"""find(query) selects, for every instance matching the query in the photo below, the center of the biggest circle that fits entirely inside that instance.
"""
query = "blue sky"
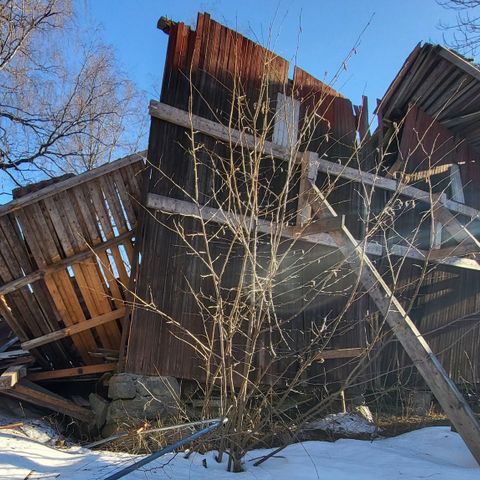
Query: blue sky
(318, 34)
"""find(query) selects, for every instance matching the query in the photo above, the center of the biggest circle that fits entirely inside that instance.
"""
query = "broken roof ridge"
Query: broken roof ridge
(166, 25)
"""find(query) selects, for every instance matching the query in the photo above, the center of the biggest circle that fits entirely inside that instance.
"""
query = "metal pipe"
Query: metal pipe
(150, 458)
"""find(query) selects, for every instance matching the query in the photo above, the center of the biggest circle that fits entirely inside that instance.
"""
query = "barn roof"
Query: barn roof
(443, 84)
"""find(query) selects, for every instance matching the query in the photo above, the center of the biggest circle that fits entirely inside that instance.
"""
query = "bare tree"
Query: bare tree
(64, 103)
(464, 34)
(252, 225)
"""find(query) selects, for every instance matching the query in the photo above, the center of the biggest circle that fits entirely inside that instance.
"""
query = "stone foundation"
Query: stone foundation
(134, 399)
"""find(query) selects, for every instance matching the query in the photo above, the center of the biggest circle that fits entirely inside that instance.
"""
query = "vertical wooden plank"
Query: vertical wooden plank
(66, 302)
(125, 197)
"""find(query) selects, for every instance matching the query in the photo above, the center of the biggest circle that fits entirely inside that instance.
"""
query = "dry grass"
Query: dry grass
(393, 425)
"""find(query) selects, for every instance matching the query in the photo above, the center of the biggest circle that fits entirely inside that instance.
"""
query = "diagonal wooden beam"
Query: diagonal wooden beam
(432, 371)
(449, 221)
(73, 329)
(29, 392)
(64, 263)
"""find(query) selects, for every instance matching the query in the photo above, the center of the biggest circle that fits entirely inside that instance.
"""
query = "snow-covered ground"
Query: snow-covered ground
(347, 424)
(431, 453)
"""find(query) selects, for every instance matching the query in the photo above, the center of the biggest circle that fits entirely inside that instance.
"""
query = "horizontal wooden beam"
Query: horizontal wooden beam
(340, 353)
(73, 329)
(29, 392)
(217, 215)
(72, 372)
(64, 263)
(230, 135)
(209, 214)
(456, 251)
(217, 130)
(71, 182)
(323, 225)
(372, 179)
(13, 354)
(11, 376)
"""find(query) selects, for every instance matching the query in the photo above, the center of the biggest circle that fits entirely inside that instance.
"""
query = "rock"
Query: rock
(122, 385)
(110, 429)
(135, 409)
(136, 398)
(344, 425)
(161, 388)
(99, 406)
(421, 402)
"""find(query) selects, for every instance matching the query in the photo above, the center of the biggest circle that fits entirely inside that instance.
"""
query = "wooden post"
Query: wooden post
(436, 241)
(344, 401)
(11, 376)
(74, 329)
(456, 184)
(304, 211)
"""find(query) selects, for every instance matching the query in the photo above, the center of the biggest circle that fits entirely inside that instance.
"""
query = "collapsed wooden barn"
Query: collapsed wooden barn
(406, 193)
(344, 125)
(66, 252)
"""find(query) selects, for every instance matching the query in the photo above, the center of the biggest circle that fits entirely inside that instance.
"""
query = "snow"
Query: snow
(347, 424)
(429, 453)
(33, 428)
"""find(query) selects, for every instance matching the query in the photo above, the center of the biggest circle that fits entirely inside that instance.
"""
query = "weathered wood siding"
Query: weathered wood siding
(209, 62)
(46, 228)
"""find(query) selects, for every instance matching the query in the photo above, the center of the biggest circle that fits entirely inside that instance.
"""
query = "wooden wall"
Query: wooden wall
(447, 304)
(200, 70)
(210, 62)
